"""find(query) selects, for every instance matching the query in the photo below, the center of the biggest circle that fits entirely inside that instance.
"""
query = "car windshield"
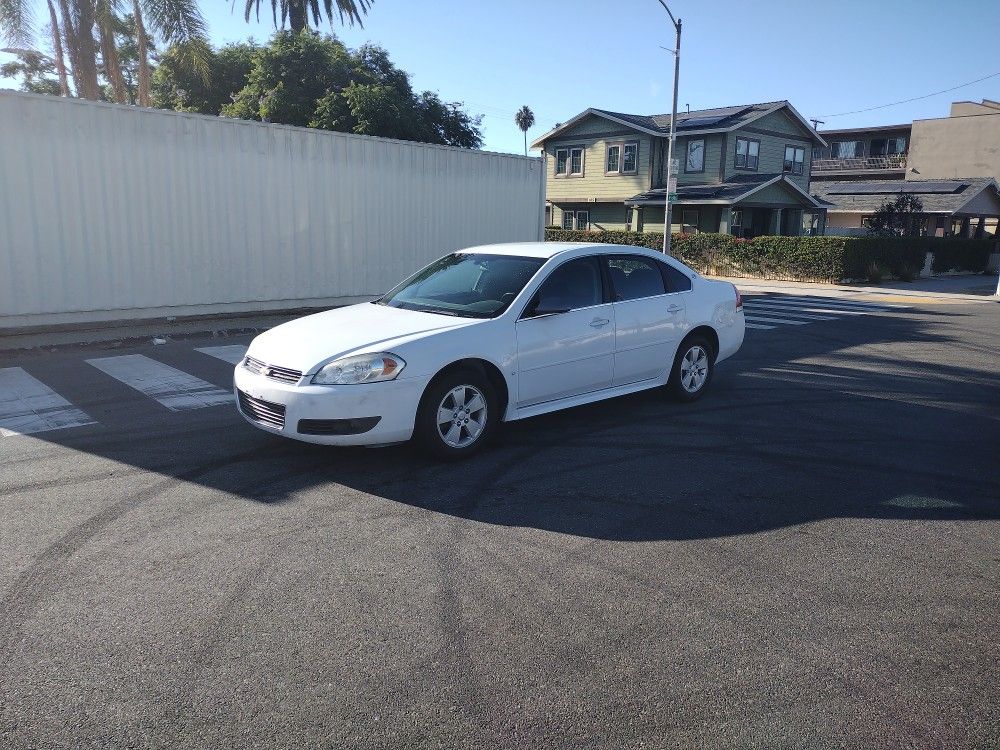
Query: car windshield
(470, 285)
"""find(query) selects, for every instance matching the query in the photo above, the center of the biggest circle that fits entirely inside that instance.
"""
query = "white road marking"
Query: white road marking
(759, 327)
(780, 321)
(821, 308)
(839, 301)
(27, 405)
(822, 301)
(176, 390)
(233, 353)
(775, 309)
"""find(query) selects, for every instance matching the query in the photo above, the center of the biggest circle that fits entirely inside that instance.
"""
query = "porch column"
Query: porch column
(776, 222)
(637, 219)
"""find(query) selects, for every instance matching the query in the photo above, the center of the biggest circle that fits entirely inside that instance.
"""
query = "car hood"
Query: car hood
(306, 343)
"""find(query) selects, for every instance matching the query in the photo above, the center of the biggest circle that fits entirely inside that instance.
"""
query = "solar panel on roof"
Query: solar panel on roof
(700, 122)
(885, 188)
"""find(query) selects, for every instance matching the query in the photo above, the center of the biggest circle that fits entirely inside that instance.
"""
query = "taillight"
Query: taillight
(739, 298)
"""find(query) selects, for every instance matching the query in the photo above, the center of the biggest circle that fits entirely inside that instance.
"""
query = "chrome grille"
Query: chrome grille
(259, 410)
(284, 374)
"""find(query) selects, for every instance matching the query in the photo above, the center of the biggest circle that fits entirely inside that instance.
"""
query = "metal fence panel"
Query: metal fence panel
(110, 212)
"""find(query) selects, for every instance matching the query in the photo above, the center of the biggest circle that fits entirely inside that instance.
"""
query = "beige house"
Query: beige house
(741, 170)
(951, 164)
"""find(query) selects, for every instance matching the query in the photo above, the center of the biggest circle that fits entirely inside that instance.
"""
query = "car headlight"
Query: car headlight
(365, 368)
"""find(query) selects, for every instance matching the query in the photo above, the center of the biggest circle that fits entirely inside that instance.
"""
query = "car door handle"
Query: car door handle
(674, 309)
(598, 322)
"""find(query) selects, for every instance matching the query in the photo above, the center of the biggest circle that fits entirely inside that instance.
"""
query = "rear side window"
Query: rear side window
(634, 277)
(676, 281)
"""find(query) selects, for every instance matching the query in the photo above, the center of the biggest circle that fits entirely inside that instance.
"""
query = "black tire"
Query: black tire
(679, 385)
(427, 433)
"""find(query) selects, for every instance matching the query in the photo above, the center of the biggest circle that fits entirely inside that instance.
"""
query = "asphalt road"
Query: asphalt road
(809, 557)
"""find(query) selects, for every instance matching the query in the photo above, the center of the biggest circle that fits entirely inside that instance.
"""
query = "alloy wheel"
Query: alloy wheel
(461, 416)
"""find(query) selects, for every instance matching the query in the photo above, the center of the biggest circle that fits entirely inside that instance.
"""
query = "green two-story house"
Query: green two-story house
(741, 170)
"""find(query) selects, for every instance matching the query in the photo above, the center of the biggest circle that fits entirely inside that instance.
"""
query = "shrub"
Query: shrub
(829, 259)
(876, 272)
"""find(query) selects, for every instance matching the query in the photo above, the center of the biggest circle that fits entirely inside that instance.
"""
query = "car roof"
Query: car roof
(549, 249)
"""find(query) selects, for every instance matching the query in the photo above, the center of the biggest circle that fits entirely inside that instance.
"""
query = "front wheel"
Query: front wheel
(456, 415)
(693, 368)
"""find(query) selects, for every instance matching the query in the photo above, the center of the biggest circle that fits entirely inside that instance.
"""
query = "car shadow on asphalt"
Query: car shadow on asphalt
(802, 425)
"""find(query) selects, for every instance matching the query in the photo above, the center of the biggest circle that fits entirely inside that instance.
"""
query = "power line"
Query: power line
(915, 98)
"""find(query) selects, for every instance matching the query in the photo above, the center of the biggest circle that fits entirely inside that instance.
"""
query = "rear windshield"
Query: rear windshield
(469, 285)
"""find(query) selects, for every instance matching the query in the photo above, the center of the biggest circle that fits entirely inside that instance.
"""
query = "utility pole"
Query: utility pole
(668, 203)
(816, 123)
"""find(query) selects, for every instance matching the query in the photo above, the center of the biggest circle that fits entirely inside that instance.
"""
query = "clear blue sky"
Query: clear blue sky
(562, 56)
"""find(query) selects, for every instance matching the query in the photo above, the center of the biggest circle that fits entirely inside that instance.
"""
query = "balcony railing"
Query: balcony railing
(895, 161)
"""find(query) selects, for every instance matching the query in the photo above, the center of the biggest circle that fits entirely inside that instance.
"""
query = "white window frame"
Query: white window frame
(607, 158)
(747, 156)
(736, 213)
(859, 149)
(687, 156)
(571, 215)
(565, 171)
(798, 160)
(572, 150)
(585, 222)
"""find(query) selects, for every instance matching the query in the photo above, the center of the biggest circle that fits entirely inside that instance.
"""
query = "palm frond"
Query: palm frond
(16, 20)
(175, 20)
(352, 9)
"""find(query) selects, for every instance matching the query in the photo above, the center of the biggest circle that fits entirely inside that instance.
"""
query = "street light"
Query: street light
(673, 131)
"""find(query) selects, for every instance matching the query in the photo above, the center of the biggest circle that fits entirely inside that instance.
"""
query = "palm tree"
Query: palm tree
(177, 21)
(525, 118)
(57, 49)
(297, 12)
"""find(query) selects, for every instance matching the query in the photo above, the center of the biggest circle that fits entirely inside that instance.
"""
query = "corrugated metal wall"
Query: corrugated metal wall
(109, 211)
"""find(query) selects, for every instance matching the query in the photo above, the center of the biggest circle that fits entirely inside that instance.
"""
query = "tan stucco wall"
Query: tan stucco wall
(955, 147)
(843, 219)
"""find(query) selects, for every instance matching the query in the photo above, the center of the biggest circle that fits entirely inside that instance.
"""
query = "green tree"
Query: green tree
(311, 80)
(524, 118)
(297, 12)
(35, 69)
(175, 85)
(75, 23)
(897, 218)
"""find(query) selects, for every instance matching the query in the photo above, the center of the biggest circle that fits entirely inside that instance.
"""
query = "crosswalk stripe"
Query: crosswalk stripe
(822, 301)
(793, 311)
(27, 406)
(232, 353)
(780, 321)
(176, 390)
(759, 327)
(830, 310)
(838, 301)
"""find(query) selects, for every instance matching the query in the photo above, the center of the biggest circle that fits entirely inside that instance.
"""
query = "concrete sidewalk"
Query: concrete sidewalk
(942, 289)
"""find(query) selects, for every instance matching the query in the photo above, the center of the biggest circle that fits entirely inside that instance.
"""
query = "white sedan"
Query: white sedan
(486, 335)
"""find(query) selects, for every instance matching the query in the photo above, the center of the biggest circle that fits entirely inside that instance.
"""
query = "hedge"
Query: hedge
(829, 259)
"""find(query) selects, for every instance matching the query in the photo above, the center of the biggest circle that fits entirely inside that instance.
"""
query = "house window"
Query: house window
(689, 221)
(567, 220)
(795, 158)
(630, 154)
(583, 220)
(887, 146)
(736, 224)
(621, 158)
(847, 149)
(562, 160)
(747, 153)
(614, 159)
(576, 161)
(695, 156)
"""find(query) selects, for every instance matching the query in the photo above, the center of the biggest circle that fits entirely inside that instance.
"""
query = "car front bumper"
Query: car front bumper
(366, 414)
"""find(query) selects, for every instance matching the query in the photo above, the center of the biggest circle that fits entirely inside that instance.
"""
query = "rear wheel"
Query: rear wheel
(693, 369)
(457, 414)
